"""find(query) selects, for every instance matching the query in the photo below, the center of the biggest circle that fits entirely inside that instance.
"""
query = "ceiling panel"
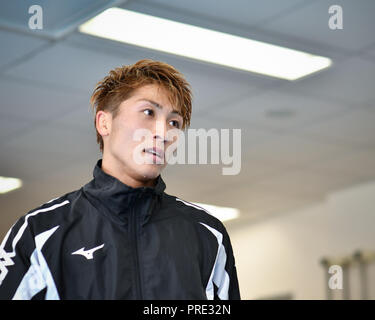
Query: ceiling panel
(214, 89)
(67, 67)
(370, 52)
(348, 82)
(10, 125)
(33, 102)
(80, 117)
(55, 139)
(14, 46)
(57, 18)
(294, 150)
(284, 109)
(359, 163)
(354, 128)
(311, 23)
(210, 119)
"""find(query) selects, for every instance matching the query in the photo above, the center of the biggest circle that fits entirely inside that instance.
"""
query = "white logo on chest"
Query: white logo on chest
(88, 254)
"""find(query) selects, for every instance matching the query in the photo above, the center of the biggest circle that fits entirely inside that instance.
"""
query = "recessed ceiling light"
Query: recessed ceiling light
(222, 213)
(9, 184)
(203, 44)
(280, 113)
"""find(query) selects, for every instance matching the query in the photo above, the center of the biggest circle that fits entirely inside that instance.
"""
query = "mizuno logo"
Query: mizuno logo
(88, 254)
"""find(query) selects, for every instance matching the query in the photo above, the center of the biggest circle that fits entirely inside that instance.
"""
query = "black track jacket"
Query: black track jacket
(111, 241)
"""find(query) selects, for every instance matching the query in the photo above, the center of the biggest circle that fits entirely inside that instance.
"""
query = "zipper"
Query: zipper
(134, 237)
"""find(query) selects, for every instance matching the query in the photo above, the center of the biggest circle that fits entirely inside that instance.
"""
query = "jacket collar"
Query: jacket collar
(117, 196)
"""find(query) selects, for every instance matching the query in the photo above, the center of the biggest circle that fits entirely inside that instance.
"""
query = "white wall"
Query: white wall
(282, 254)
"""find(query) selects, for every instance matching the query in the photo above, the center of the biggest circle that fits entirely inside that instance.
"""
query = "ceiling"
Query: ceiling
(301, 140)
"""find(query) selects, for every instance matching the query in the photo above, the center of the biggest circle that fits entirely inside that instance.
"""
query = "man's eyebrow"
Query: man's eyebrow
(155, 104)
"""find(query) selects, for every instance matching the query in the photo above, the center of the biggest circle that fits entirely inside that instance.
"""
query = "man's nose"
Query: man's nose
(160, 131)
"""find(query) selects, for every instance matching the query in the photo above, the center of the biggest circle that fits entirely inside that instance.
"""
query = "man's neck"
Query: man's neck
(112, 168)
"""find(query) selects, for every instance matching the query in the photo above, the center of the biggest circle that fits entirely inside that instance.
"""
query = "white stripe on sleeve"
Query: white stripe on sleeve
(219, 276)
(6, 257)
(38, 276)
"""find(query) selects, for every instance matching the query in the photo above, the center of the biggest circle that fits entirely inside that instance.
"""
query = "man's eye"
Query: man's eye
(175, 123)
(148, 112)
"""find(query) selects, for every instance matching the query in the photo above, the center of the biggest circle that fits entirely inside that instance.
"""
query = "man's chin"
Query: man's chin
(150, 172)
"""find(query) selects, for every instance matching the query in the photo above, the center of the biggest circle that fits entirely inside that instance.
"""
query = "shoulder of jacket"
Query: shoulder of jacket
(196, 213)
(67, 198)
(52, 210)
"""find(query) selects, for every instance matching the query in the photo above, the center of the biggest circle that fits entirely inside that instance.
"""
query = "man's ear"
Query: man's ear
(103, 122)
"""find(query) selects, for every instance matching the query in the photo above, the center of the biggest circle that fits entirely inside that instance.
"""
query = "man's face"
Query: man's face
(134, 114)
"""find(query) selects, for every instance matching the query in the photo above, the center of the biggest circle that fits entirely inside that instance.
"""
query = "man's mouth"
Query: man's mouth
(156, 152)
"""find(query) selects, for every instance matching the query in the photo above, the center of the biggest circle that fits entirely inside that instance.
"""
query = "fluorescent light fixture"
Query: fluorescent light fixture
(9, 184)
(203, 44)
(222, 213)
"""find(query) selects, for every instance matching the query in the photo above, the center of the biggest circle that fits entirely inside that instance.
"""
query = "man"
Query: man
(121, 236)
